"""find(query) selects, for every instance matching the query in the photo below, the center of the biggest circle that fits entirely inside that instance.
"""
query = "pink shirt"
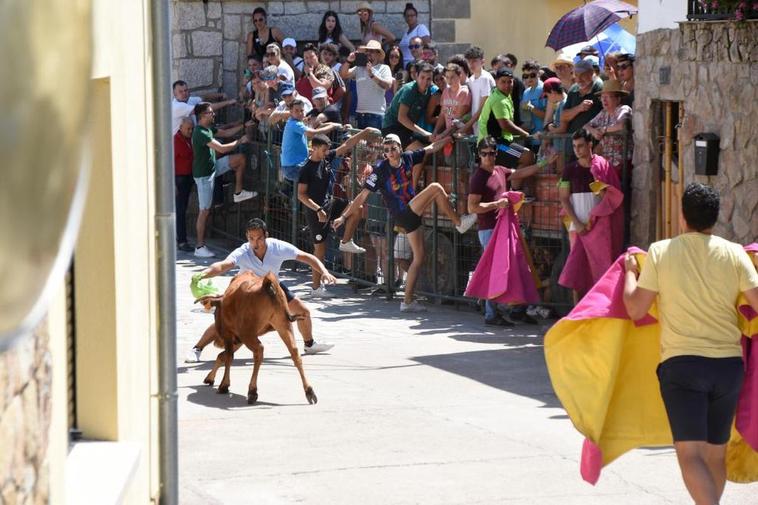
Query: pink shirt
(451, 103)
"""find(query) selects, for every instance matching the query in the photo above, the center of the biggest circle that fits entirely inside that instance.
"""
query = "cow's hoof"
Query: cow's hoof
(223, 390)
(311, 396)
(252, 396)
(208, 382)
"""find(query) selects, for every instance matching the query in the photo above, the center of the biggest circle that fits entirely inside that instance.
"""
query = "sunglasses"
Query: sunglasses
(488, 154)
(624, 66)
(528, 76)
(414, 46)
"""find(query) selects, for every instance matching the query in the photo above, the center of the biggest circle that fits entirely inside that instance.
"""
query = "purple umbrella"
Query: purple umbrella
(585, 22)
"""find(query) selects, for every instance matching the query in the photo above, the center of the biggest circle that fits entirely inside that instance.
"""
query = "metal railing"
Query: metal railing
(450, 257)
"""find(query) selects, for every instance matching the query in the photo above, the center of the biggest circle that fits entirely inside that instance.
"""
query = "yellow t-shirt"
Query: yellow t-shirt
(698, 278)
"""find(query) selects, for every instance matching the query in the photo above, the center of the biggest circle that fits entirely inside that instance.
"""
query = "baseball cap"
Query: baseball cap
(319, 92)
(286, 88)
(289, 42)
(551, 85)
(503, 72)
(391, 137)
(587, 50)
(582, 66)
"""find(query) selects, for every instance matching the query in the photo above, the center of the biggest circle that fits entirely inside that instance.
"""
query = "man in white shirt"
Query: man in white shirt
(480, 84)
(289, 50)
(183, 105)
(274, 57)
(371, 82)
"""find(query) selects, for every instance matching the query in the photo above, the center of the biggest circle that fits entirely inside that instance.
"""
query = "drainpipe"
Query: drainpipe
(165, 251)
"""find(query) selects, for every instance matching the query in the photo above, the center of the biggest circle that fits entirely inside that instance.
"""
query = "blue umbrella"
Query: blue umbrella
(585, 22)
(612, 39)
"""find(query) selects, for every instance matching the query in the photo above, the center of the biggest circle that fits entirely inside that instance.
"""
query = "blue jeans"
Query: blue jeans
(367, 120)
(291, 172)
(490, 312)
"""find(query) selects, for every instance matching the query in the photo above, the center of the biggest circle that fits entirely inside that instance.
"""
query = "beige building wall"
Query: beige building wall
(520, 27)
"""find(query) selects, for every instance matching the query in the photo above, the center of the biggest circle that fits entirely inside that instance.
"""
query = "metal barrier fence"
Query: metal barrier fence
(450, 256)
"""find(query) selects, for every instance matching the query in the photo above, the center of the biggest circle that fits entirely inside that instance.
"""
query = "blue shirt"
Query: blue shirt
(530, 121)
(395, 183)
(294, 143)
(277, 252)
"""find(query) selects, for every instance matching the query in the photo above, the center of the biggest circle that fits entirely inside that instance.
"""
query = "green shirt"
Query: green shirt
(204, 160)
(416, 101)
(497, 106)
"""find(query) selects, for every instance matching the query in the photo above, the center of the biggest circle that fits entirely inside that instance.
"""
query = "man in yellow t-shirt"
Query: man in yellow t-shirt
(697, 278)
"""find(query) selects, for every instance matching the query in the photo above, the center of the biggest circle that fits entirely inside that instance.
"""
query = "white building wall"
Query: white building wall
(655, 14)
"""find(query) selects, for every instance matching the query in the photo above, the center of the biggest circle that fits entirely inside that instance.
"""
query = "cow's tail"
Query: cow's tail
(272, 288)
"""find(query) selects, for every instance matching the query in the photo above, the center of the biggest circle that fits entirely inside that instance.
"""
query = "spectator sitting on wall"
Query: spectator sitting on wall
(496, 120)
(290, 56)
(415, 30)
(262, 35)
(533, 103)
(315, 73)
(563, 65)
(284, 71)
(322, 112)
(407, 110)
(330, 32)
(392, 178)
(480, 84)
(183, 180)
(612, 119)
(295, 139)
(205, 168)
(371, 29)
(625, 69)
(315, 191)
(183, 105)
(371, 82)
(289, 95)
(455, 102)
(582, 103)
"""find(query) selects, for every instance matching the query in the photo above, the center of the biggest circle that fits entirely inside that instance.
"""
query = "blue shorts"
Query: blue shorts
(205, 184)
(291, 172)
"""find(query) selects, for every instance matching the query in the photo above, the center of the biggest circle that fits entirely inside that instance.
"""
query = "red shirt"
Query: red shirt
(182, 155)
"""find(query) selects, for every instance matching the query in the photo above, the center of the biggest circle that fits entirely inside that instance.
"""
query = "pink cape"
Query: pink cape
(593, 252)
(503, 274)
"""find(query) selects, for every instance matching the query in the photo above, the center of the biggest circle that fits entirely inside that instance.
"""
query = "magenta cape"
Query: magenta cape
(602, 367)
(593, 252)
(503, 274)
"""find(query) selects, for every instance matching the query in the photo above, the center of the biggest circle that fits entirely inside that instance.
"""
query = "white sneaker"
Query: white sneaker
(317, 348)
(351, 247)
(244, 195)
(321, 292)
(414, 306)
(193, 356)
(203, 252)
(467, 221)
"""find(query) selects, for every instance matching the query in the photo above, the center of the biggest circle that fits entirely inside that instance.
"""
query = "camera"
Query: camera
(361, 59)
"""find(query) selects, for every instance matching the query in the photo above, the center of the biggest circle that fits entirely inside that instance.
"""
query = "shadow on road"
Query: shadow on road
(207, 396)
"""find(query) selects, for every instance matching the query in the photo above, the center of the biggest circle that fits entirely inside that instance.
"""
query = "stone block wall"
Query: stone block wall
(25, 411)
(714, 72)
(208, 38)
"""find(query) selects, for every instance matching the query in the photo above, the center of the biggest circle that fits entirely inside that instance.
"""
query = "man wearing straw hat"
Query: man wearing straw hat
(371, 82)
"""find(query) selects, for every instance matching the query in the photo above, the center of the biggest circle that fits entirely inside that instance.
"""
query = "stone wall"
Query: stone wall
(25, 410)
(714, 72)
(208, 38)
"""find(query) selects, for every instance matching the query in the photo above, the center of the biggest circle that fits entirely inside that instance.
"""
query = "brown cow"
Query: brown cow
(250, 307)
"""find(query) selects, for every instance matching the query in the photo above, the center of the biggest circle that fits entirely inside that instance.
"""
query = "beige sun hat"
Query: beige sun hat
(364, 6)
(562, 57)
(374, 45)
(612, 86)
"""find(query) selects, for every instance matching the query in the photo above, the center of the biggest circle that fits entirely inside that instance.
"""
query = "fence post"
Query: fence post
(456, 238)
(435, 213)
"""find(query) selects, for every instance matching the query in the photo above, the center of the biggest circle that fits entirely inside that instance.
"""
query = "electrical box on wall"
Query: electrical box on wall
(706, 154)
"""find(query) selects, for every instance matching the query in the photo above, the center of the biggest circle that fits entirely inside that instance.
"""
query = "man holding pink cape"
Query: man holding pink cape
(592, 201)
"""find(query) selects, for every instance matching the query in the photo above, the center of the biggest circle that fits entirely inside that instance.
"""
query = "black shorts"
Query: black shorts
(319, 230)
(408, 220)
(406, 136)
(700, 395)
(508, 155)
(287, 293)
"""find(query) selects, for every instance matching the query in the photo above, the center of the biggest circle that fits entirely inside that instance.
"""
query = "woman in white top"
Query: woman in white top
(330, 31)
(370, 29)
(415, 29)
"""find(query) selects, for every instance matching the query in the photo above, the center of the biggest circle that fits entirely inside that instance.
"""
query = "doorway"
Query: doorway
(667, 119)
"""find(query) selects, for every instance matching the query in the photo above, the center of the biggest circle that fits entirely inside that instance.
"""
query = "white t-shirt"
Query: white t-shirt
(181, 110)
(307, 105)
(277, 252)
(287, 72)
(480, 88)
(371, 96)
(419, 31)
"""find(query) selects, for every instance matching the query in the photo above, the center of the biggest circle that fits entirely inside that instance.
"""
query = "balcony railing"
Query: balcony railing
(714, 10)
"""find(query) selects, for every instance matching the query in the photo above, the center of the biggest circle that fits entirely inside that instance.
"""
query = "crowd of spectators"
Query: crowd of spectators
(395, 87)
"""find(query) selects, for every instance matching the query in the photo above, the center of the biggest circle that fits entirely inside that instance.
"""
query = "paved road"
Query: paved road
(432, 409)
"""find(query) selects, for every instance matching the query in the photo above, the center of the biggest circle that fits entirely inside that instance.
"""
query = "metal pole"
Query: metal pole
(667, 155)
(165, 252)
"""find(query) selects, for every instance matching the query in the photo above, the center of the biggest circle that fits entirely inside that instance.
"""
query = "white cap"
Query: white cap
(319, 92)
(391, 137)
(289, 41)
